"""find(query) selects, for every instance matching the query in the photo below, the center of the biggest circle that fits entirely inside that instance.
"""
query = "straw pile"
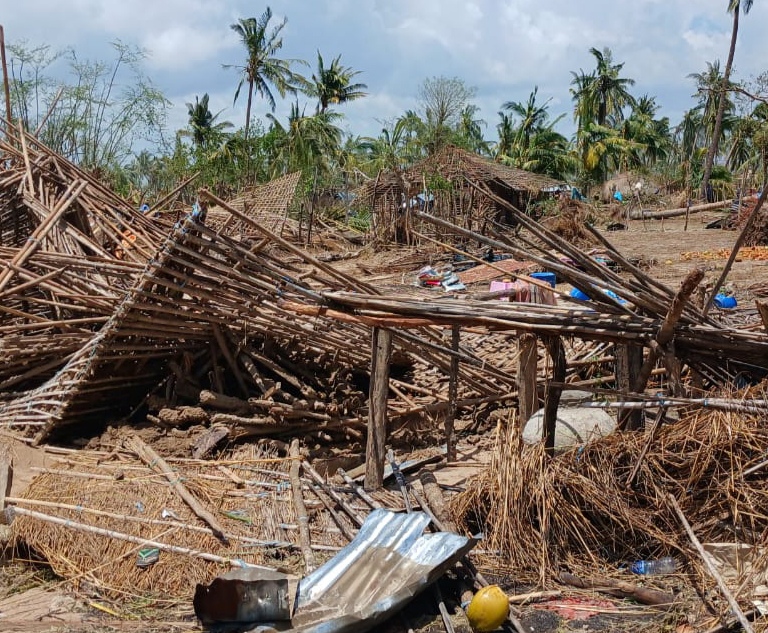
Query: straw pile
(577, 509)
(122, 494)
(569, 222)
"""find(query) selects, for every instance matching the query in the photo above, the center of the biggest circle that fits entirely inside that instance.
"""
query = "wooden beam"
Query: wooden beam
(375, 452)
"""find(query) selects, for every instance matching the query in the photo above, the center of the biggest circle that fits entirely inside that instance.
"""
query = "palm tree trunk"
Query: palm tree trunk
(248, 109)
(723, 97)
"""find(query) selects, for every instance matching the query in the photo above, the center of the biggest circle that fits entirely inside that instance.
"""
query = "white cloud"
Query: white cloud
(182, 47)
(503, 47)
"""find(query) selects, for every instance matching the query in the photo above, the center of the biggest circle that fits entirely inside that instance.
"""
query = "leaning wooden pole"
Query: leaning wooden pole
(665, 334)
(734, 251)
(381, 350)
(667, 329)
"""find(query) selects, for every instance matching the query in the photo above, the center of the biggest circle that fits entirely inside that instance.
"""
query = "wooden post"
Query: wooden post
(629, 360)
(665, 334)
(6, 477)
(527, 370)
(381, 349)
(453, 387)
(552, 393)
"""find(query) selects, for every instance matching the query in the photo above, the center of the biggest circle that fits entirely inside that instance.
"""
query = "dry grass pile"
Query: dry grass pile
(569, 222)
(758, 233)
(123, 495)
(578, 511)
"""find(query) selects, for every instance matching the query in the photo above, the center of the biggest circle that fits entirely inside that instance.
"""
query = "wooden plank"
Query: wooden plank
(302, 518)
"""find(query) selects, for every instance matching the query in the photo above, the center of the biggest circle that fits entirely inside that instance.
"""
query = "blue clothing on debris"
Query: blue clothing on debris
(618, 197)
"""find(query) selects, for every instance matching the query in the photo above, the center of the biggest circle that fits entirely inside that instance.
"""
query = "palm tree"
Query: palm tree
(202, 122)
(652, 135)
(733, 7)
(603, 149)
(505, 128)
(469, 133)
(397, 146)
(548, 152)
(707, 90)
(532, 117)
(602, 95)
(333, 84)
(306, 141)
(262, 69)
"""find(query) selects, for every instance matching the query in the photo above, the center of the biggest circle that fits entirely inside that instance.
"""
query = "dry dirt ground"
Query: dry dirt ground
(32, 600)
(665, 242)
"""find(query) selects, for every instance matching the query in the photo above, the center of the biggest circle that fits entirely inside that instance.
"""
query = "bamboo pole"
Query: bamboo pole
(753, 215)
(34, 241)
(143, 520)
(130, 538)
(747, 626)
(332, 272)
(148, 455)
(314, 475)
(359, 491)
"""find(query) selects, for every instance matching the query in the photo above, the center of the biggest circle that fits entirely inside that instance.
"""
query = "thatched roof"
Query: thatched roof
(454, 163)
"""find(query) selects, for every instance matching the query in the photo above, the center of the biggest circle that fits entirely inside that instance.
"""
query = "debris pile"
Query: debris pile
(591, 504)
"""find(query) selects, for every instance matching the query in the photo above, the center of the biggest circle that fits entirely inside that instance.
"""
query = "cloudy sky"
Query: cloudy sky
(503, 48)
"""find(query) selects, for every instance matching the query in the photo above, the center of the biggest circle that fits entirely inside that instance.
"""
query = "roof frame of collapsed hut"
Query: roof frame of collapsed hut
(213, 317)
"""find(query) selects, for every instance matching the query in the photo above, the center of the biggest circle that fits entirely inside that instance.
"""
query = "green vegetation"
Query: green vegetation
(109, 114)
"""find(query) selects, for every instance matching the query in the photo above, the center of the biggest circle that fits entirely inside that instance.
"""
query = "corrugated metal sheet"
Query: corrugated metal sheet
(389, 562)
